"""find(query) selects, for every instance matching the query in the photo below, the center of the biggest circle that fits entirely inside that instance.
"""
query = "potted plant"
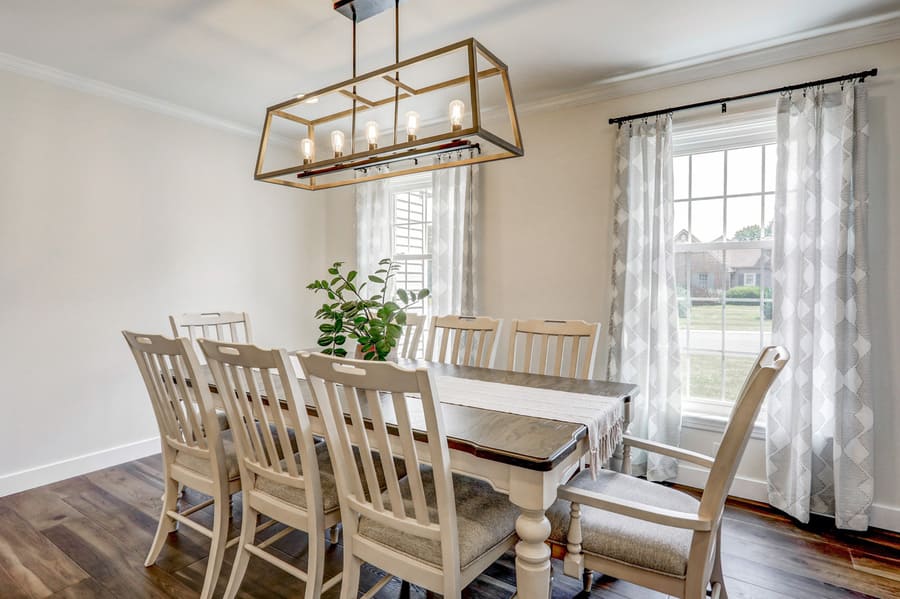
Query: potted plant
(375, 323)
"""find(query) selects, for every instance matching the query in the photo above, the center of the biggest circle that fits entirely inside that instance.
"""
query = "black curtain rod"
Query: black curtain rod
(723, 101)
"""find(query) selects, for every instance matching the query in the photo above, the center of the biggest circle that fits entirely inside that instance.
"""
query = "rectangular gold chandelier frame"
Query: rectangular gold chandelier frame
(481, 145)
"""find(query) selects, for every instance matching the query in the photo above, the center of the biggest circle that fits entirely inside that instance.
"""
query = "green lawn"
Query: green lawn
(737, 318)
(705, 379)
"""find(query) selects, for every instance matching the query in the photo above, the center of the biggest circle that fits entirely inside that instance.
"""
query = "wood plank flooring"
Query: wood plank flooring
(87, 537)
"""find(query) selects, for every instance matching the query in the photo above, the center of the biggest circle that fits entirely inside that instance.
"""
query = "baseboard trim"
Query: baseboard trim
(880, 516)
(23, 480)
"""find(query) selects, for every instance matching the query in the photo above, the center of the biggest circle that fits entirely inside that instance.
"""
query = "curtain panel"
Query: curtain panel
(643, 325)
(819, 445)
(374, 225)
(454, 240)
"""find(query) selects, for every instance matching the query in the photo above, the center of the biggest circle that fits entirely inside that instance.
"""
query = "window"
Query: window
(412, 223)
(724, 214)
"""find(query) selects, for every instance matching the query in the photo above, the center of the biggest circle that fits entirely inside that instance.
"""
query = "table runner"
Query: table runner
(603, 416)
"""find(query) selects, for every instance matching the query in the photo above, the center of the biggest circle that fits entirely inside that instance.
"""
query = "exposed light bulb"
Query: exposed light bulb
(412, 125)
(457, 111)
(314, 100)
(306, 149)
(372, 134)
(337, 143)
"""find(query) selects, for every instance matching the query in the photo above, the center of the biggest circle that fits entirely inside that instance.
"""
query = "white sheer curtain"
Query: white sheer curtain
(454, 237)
(819, 444)
(644, 319)
(374, 225)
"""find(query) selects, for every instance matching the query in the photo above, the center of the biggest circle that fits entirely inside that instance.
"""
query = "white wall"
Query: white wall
(113, 217)
(546, 228)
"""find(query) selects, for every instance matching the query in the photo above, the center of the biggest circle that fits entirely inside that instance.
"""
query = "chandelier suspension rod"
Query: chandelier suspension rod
(396, 60)
(861, 75)
(353, 118)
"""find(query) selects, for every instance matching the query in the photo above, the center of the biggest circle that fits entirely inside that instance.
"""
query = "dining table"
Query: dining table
(524, 457)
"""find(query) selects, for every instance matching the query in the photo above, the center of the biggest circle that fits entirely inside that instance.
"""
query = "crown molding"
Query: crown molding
(42, 72)
(807, 44)
(776, 51)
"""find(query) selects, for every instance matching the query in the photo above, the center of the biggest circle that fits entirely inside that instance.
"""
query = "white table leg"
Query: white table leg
(533, 555)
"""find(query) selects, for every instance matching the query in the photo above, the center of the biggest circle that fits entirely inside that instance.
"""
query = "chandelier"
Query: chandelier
(419, 114)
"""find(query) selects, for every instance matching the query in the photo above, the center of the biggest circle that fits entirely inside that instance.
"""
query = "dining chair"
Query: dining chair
(220, 326)
(650, 534)
(289, 482)
(196, 453)
(432, 528)
(464, 340)
(549, 345)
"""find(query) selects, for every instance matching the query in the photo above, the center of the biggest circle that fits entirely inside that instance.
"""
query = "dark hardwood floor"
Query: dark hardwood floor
(87, 537)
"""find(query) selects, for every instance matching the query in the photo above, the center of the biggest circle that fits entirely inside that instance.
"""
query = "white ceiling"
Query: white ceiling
(232, 58)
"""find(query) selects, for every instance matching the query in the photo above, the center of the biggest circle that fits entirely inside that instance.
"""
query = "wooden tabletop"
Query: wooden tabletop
(524, 441)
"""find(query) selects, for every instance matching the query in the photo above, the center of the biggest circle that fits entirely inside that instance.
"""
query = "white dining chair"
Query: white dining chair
(219, 326)
(412, 335)
(291, 483)
(464, 340)
(195, 452)
(431, 528)
(650, 534)
(555, 347)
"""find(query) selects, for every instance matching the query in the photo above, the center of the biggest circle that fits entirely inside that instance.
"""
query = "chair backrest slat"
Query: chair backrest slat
(552, 357)
(181, 401)
(464, 340)
(387, 390)
(412, 335)
(267, 412)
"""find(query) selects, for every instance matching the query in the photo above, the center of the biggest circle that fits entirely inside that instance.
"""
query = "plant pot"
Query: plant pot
(391, 357)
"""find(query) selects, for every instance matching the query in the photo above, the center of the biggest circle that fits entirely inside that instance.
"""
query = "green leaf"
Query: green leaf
(327, 351)
(423, 293)
(401, 318)
(391, 307)
(351, 275)
(395, 330)
(340, 352)
(325, 340)
(401, 293)
(340, 339)
(375, 279)
(332, 271)
(369, 356)
(326, 328)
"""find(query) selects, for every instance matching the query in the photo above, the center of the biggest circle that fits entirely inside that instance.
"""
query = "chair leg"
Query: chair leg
(717, 577)
(350, 581)
(587, 580)
(404, 589)
(166, 523)
(315, 566)
(242, 557)
(217, 546)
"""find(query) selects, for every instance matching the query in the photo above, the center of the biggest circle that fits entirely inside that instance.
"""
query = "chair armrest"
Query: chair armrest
(634, 509)
(673, 452)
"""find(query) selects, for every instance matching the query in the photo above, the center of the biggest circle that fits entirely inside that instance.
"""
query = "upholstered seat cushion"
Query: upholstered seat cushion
(484, 519)
(203, 466)
(297, 496)
(630, 540)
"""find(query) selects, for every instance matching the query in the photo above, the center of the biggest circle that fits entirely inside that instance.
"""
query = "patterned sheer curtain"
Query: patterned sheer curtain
(454, 240)
(819, 444)
(644, 318)
(374, 225)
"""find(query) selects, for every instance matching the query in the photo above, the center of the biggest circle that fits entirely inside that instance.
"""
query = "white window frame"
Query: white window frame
(751, 281)
(730, 132)
(407, 184)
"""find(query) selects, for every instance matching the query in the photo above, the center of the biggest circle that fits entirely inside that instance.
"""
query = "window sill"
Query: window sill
(716, 424)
